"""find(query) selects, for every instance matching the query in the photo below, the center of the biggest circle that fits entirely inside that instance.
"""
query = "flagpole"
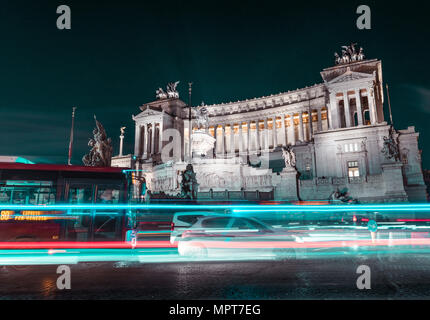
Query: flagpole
(389, 105)
(69, 161)
(190, 84)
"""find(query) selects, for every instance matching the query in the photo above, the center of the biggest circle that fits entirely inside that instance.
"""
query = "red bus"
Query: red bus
(46, 184)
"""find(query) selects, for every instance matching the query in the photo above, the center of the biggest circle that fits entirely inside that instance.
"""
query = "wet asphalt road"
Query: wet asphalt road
(394, 276)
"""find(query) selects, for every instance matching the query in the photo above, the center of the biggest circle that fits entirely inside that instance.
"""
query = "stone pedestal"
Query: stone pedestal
(122, 161)
(286, 186)
(393, 181)
(202, 143)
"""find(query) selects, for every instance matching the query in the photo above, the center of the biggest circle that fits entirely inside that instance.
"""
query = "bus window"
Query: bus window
(27, 192)
(5, 195)
(78, 228)
(81, 194)
(107, 227)
(42, 196)
(20, 197)
(108, 194)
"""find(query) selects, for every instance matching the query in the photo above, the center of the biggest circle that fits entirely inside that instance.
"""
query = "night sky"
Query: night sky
(118, 52)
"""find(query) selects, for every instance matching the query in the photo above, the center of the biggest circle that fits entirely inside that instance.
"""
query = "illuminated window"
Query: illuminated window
(27, 192)
(351, 147)
(353, 170)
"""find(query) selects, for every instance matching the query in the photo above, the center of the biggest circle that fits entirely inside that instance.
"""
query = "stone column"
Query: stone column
(334, 112)
(223, 146)
(359, 109)
(329, 118)
(347, 110)
(311, 123)
(266, 135)
(301, 134)
(274, 132)
(232, 148)
(145, 143)
(217, 140)
(248, 136)
(121, 144)
(137, 137)
(291, 133)
(283, 133)
(257, 135)
(372, 107)
(319, 128)
(160, 137)
(240, 137)
(153, 138)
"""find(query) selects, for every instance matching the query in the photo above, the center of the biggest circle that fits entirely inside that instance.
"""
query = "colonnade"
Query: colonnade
(347, 109)
(150, 137)
(264, 134)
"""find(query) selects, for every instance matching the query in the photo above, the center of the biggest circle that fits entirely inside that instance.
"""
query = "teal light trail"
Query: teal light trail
(235, 208)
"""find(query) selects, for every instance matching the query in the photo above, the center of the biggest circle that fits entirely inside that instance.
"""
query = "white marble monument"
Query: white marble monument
(335, 131)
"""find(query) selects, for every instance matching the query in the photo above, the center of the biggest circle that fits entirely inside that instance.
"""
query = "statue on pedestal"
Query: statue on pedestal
(289, 157)
(189, 183)
(202, 142)
(100, 154)
(391, 146)
(202, 116)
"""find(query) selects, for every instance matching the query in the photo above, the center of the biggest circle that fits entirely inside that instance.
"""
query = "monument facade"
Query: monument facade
(327, 137)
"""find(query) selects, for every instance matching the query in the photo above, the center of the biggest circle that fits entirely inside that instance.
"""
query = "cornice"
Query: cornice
(315, 103)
